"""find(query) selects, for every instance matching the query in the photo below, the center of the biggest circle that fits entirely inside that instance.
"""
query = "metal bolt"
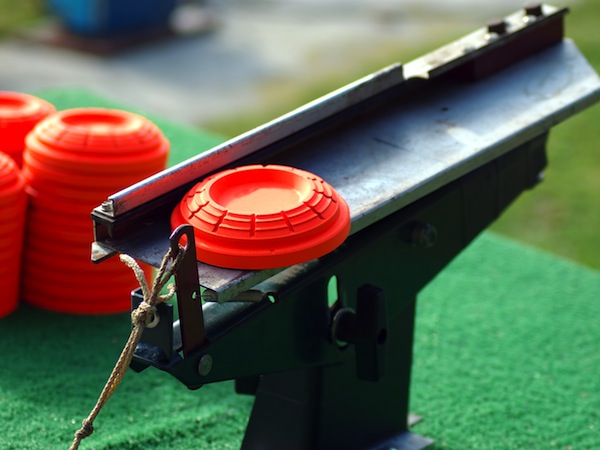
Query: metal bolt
(497, 26)
(469, 49)
(534, 9)
(540, 177)
(423, 235)
(205, 365)
(341, 327)
(107, 206)
(154, 319)
(209, 296)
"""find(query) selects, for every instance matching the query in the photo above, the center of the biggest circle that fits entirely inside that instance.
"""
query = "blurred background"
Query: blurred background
(227, 66)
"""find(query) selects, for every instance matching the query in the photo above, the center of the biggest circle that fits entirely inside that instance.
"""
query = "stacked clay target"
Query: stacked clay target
(13, 204)
(19, 113)
(73, 161)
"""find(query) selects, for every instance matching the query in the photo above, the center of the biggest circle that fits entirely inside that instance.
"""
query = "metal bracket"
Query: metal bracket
(367, 330)
(189, 302)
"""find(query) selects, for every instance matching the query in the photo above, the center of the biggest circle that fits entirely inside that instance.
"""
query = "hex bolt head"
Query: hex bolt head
(497, 26)
(205, 365)
(423, 235)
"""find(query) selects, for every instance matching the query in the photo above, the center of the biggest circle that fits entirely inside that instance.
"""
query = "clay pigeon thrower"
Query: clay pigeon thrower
(308, 239)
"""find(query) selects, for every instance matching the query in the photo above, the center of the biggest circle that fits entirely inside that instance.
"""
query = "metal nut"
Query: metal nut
(205, 365)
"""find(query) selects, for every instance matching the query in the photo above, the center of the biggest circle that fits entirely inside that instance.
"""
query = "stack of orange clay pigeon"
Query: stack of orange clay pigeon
(13, 204)
(72, 161)
(19, 113)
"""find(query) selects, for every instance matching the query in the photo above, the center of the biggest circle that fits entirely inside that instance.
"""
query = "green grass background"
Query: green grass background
(19, 13)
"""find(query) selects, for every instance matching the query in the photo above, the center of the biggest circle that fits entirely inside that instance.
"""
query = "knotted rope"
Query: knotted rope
(140, 318)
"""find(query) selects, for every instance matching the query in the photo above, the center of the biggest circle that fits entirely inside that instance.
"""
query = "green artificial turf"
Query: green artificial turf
(506, 352)
(506, 357)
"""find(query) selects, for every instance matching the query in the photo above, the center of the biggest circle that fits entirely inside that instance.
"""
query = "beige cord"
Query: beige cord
(140, 318)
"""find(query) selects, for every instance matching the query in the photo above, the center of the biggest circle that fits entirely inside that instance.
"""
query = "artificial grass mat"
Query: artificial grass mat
(506, 356)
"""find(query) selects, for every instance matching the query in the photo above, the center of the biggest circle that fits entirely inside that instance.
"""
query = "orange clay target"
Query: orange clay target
(260, 217)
